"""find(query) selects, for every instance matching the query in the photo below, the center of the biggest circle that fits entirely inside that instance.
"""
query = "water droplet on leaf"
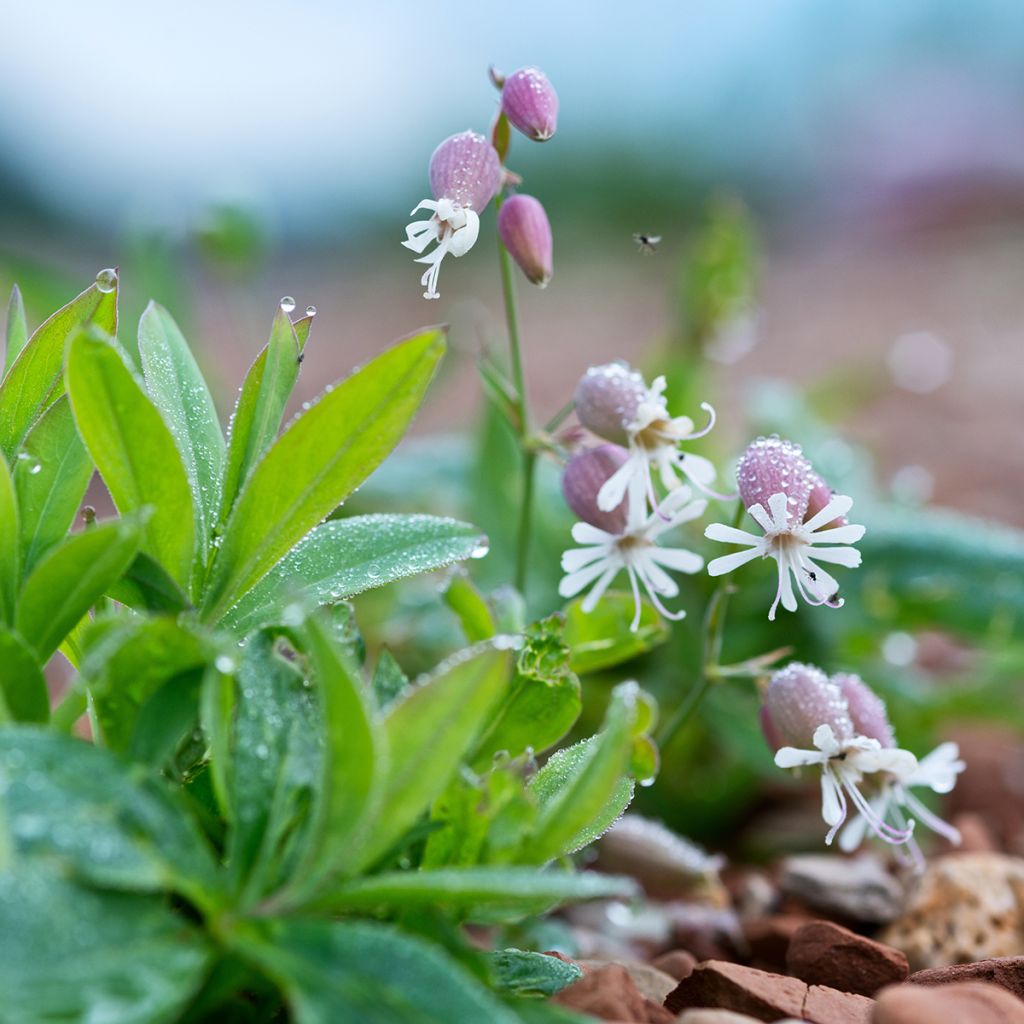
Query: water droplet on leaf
(106, 280)
(287, 304)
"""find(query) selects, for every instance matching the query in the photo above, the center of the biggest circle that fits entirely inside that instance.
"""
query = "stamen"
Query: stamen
(712, 418)
(932, 821)
(886, 832)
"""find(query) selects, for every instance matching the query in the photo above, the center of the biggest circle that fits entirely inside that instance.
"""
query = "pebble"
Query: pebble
(965, 907)
(707, 1016)
(823, 953)
(768, 939)
(858, 888)
(676, 962)
(1005, 971)
(972, 1002)
(651, 982)
(609, 993)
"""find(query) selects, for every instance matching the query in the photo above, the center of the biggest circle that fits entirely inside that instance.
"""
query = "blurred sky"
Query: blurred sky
(320, 110)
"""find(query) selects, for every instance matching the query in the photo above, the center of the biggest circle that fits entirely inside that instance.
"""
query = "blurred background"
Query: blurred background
(839, 189)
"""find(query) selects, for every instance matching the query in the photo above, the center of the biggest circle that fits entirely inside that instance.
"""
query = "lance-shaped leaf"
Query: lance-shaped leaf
(344, 557)
(133, 449)
(179, 391)
(36, 378)
(17, 328)
(9, 555)
(261, 403)
(22, 684)
(51, 475)
(601, 638)
(70, 579)
(317, 462)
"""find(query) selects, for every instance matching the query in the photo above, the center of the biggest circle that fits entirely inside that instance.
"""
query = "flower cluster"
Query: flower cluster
(840, 725)
(466, 173)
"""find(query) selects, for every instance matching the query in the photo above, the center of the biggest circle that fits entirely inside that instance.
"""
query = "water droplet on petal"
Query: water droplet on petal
(287, 304)
(106, 280)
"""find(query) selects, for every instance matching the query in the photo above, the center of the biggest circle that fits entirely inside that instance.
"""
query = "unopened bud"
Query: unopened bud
(607, 400)
(772, 466)
(821, 495)
(584, 475)
(800, 698)
(866, 708)
(526, 233)
(465, 169)
(530, 103)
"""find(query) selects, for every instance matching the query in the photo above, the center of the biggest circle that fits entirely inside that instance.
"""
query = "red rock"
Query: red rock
(823, 953)
(676, 962)
(728, 986)
(768, 938)
(972, 1002)
(825, 1005)
(1005, 971)
(610, 994)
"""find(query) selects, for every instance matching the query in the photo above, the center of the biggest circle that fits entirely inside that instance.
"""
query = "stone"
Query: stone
(971, 1002)
(703, 1015)
(609, 993)
(825, 1005)
(768, 939)
(726, 986)
(965, 907)
(651, 983)
(1006, 971)
(857, 888)
(676, 962)
(824, 953)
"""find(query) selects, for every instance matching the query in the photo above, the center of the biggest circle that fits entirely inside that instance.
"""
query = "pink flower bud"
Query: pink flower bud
(607, 399)
(799, 699)
(770, 466)
(526, 233)
(821, 495)
(465, 169)
(867, 709)
(584, 476)
(529, 101)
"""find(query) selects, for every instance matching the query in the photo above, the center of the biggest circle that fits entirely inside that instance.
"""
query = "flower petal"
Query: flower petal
(575, 558)
(677, 558)
(850, 557)
(730, 535)
(574, 582)
(720, 566)
(793, 757)
(838, 506)
(595, 595)
(849, 534)
(584, 533)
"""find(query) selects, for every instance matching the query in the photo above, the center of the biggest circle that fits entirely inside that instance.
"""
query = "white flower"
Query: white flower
(790, 543)
(843, 767)
(455, 229)
(937, 772)
(653, 437)
(636, 551)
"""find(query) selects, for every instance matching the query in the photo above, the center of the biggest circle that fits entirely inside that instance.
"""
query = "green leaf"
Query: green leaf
(133, 450)
(344, 557)
(454, 703)
(112, 823)
(543, 701)
(9, 554)
(462, 888)
(371, 973)
(469, 605)
(71, 953)
(22, 683)
(51, 475)
(318, 461)
(602, 638)
(36, 378)
(70, 579)
(179, 391)
(581, 789)
(17, 328)
(261, 404)
(531, 974)
(389, 681)
(146, 586)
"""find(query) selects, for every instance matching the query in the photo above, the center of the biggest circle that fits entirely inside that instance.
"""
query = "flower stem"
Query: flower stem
(529, 456)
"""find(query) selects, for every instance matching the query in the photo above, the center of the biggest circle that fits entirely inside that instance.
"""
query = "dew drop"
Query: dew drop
(481, 550)
(287, 304)
(311, 311)
(224, 664)
(106, 280)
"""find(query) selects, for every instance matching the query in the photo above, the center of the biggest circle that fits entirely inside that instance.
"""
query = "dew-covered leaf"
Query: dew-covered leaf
(51, 474)
(389, 681)
(370, 973)
(133, 450)
(317, 462)
(344, 557)
(531, 974)
(602, 638)
(36, 378)
(177, 388)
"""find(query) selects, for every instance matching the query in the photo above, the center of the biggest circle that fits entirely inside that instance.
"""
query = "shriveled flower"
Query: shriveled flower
(627, 541)
(614, 402)
(530, 103)
(806, 709)
(465, 174)
(526, 233)
(775, 474)
(937, 771)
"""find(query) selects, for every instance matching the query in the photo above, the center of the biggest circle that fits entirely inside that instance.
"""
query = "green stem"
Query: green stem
(529, 458)
(69, 710)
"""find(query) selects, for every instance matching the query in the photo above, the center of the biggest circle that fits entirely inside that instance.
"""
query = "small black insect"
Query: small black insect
(812, 575)
(300, 357)
(647, 244)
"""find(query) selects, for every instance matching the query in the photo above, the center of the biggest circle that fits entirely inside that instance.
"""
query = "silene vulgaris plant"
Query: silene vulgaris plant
(239, 810)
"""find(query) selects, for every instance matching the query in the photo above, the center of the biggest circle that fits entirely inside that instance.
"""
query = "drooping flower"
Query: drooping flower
(894, 800)
(614, 402)
(803, 707)
(623, 538)
(775, 481)
(465, 174)
(526, 233)
(530, 103)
